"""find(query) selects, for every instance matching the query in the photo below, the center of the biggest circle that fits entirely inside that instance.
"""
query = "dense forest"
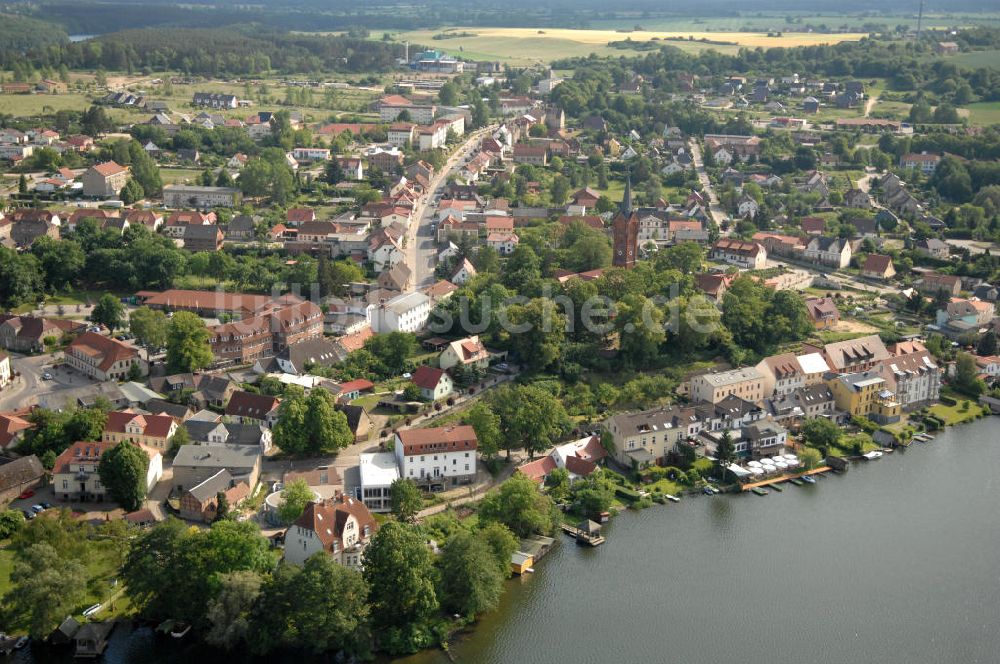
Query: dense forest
(234, 51)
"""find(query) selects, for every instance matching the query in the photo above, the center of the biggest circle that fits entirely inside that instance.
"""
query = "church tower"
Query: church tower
(625, 231)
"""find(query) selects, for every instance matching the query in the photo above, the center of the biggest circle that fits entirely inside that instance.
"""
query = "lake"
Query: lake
(897, 560)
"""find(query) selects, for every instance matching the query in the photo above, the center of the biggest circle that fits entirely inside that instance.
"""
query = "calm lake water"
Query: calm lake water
(897, 560)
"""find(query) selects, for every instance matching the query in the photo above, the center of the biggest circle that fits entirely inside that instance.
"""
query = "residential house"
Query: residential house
(462, 272)
(438, 455)
(196, 463)
(933, 283)
(213, 431)
(203, 238)
(537, 155)
(397, 278)
(467, 352)
(201, 502)
(435, 384)
(823, 312)
(250, 408)
(932, 247)
(923, 162)
(154, 431)
(241, 227)
(746, 383)
(645, 438)
(865, 394)
(746, 255)
(341, 528)
(358, 420)
(878, 267)
(407, 312)
(13, 424)
(103, 358)
(580, 458)
(781, 374)
(855, 355)
(75, 475)
(912, 374)
(858, 199)
(299, 358)
(971, 311)
(834, 252)
(104, 180)
(180, 196)
(812, 225)
(27, 334)
(713, 285)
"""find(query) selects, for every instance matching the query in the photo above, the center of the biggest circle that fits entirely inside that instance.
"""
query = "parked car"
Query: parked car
(37, 509)
(27, 493)
(28, 514)
(45, 505)
(46, 376)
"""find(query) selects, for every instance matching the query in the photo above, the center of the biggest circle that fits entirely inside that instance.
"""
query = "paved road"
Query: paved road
(421, 247)
(26, 389)
(706, 183)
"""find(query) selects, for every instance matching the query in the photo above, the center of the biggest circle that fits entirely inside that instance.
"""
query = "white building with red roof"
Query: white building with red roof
(468, 352)
(103, 358)
(75, 474)
(438, 455)
(153, 431)
(579, 458)
(341, 528)
(434, 383)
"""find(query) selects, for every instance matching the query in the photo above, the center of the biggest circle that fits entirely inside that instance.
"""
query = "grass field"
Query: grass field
(984, 112)
(765, 21)
(977, 59)
(179, 175)
(27, 105)
(526, 45)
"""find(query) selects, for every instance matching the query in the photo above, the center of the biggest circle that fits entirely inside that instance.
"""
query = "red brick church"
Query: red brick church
(625, 232)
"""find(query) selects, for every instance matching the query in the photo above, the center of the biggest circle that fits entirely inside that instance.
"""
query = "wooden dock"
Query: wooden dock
(583, 537)
(784, 478)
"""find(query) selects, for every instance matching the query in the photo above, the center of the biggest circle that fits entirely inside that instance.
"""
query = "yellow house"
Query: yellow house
(865, 394)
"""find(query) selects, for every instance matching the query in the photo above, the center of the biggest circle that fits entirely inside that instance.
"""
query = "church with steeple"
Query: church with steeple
(625, 231)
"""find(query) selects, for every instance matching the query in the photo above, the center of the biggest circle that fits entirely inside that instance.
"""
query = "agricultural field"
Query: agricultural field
(528, 45)
(30, 105)
(976, 59)
(984, 112)
(765, 21)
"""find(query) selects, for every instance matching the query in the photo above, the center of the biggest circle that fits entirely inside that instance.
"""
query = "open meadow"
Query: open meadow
(527, 45)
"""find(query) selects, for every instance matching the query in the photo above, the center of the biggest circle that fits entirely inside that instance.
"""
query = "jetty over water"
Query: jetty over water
(587, 532)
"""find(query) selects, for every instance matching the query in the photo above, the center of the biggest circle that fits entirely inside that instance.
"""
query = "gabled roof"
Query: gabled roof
(427, 377)
(438, 439)
(109, 168)
(328, 518)
(248, 404)
(20, 471)
(877, 263)
(156, 426)
(105, 349)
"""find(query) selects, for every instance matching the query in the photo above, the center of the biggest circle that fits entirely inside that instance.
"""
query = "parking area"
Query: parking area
(87, 511)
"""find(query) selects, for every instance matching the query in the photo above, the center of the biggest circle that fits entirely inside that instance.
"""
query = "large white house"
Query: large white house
(378, 470)
(404, 313)
(341, 528)
(440, 455)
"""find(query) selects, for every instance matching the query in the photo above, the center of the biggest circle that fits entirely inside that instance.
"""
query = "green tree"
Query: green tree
(228, 612)
(149, 327)
(810, 458)
(406, 499)
(290, 432)
(530, 417)
(294, 498)
(820, 433)
(188, 347)
(640, 330)
(123, 472)
(45, 587)
(726, 451)
(22, 184)
(222, 509)
(327, 427)
(538, 332)
(132, 192)
(10, 522)
(592, 495)
(519, 505)
(987, 344)
(319, 608)
(61, 260)
(399, 570)
(109, 311)
(470, 581)
(967, 379)
(502, 543)
(486, 424)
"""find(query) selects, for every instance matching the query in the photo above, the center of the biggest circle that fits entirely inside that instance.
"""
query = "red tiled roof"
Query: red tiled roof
(438, 439)
(80, 452)
(108, 350)
(109, 168)
(356, 341)
(11, 424)
(157, 426)
(356, 385)
(877, 263)
(248, 404)
(427, 377)
(328, 518)
(538, 469)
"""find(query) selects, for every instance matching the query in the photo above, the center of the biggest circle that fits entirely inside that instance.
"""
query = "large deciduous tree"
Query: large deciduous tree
(470, 580)
(123, 471)
(188, 347)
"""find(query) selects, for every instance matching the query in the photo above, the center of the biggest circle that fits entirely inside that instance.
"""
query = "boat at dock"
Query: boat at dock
(809, 479)
(672, 498)
(776, 487)
(871, 456)
(796, 481)
(759, 491)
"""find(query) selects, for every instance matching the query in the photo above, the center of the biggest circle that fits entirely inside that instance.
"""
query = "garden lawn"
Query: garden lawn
(955, 414)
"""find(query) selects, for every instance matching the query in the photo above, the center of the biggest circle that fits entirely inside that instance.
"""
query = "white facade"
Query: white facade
(182, 196)
(404, 313)
(5, 371)
(441, 466)
(378, 471)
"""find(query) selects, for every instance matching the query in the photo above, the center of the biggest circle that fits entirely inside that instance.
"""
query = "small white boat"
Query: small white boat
(874, 454)
(672, 498)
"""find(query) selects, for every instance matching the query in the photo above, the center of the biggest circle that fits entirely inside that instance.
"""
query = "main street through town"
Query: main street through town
(421, 246)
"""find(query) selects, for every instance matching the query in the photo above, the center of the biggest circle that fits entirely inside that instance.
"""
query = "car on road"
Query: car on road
(46, 505)
(46, 376)
(27, 493)
(37, 509)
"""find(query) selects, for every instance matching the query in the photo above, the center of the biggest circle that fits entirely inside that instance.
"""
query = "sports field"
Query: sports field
(526, 45)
